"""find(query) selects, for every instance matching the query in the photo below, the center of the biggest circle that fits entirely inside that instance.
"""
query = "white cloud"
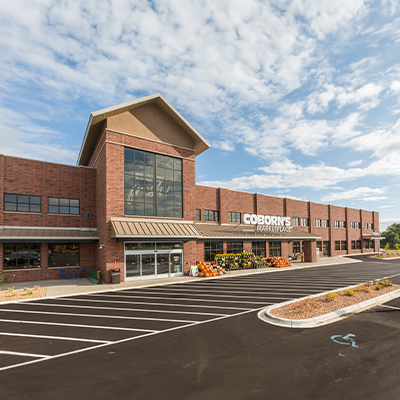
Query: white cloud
(354, 163)
(395, 86)
(361, 193)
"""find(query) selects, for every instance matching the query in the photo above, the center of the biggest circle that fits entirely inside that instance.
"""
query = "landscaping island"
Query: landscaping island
(333, 301)
(24, 294)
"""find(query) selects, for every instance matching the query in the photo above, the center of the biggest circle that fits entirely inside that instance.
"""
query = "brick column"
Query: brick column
(247, 247)
(310, 251)
(284, 249)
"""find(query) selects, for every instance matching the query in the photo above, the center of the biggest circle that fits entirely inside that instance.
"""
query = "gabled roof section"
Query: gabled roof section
(98, 118)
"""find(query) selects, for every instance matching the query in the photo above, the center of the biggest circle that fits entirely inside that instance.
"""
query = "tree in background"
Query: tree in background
(392, 237)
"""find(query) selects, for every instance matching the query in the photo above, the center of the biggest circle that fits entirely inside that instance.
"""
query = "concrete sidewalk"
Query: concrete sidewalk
(66, 287)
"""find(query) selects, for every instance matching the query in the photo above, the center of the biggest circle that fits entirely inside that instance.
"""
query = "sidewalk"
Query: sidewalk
(56, 288)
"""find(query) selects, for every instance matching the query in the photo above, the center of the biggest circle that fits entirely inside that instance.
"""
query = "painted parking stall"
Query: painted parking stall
(43, 329)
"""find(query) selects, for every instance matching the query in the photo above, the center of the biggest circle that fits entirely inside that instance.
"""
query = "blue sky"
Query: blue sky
(298, 98)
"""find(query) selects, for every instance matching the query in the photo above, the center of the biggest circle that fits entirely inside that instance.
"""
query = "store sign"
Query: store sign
(268, 223)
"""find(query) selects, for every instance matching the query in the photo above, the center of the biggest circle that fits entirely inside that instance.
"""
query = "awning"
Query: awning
(373, 236)
(146, 229)
(15, 234)
(250, 232)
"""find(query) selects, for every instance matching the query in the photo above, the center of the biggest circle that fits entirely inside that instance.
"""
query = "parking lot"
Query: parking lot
(123, 335)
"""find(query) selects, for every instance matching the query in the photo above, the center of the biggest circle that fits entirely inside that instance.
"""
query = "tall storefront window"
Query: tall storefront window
(274, 249)
(64, 255)
(21, 256)
(211, 249)
(296, 247)
(234, 247)
(153, 184)
(258, 248)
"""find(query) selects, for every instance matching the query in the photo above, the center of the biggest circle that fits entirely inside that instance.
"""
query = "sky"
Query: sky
(298, 99)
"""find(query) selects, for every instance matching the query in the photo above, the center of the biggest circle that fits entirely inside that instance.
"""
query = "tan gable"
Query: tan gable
(150, 117)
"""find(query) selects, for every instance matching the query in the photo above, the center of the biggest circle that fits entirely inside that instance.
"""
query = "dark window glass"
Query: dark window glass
(325, 223)
(210, 215)
(343, 245)
(258, 248)
(153, 184)
(64, 255)
(319, 246)
(353, 244)
(296, 247)
(21, 256)
(234, 247)
(358, 244)
(295, 221)
(234, 217)
(198, 215)
(337, 245)
(22, 203)
(211, 249)
(274, 249)
(60, 205)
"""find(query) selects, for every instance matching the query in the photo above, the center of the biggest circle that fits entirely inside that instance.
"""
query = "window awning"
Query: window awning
(15, 234)
(146, 229)
(250, 232)
(373, 236)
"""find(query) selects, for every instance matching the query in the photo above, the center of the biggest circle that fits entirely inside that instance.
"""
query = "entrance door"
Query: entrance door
(176, 263)
(326, 249)
(132, 265)
(162, 264)
(148, 265)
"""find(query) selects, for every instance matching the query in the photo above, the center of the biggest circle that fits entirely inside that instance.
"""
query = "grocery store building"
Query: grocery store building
(131, 203)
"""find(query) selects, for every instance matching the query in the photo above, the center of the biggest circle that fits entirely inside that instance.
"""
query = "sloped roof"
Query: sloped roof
(125, 229)
(97, 118)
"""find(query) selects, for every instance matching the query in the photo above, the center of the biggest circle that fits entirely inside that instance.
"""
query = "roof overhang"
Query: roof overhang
(125, 229)
(32, 234)
(372, 236)
(97, 119)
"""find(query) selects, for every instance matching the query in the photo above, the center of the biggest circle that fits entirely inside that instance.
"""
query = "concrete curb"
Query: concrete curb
(325, 319)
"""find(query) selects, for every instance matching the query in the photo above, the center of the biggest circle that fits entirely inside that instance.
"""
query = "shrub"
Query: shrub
(364, 288)
(385, 282)
(331, 296)
(349, 292)
(378, 286)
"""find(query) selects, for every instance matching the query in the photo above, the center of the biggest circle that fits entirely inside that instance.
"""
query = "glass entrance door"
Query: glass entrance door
(163, 264)
(132, 263)
(176, 263)
(148, 265)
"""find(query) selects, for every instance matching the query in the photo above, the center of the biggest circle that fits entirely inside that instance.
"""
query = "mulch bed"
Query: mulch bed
(316, 306)
(7, 295)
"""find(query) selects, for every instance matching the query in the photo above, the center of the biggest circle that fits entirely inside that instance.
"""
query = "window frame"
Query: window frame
(295, 221)
(19, 204)
(259, 246)
(215, 215)
(16, 249)
(211, 248)
(317, 223)
(305, 222)
(63, 266)
(59, 205)
(325, 223)
(235, 245)
(198, 214)
(233, 217)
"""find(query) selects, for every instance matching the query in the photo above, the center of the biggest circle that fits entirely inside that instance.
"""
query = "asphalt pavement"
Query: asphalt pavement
(201, 339)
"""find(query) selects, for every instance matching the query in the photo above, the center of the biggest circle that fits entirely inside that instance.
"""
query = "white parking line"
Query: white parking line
(180, 298)
(210, 295)
(123, 309)
(97, 316)
(154, 304)
(14, 353)
(395, 308)
(16, 321)
(177, 290)
(54, 337)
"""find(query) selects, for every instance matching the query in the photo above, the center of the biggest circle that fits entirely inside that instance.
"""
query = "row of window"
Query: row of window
(27, 255)
(211, 249)
(235, 217)
(32, 204)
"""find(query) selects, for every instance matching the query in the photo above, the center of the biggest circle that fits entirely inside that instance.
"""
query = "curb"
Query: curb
(325, 319)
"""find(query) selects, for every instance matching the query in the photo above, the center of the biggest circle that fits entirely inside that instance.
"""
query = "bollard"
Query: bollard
(99, 282)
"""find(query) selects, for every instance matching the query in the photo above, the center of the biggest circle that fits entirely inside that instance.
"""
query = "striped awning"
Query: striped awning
(146, 229)
(15, 234)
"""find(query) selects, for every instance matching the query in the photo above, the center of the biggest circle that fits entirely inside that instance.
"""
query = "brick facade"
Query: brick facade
(99, 186)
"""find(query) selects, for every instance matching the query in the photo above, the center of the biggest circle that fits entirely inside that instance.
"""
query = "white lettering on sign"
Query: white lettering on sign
(274, 228)
(253, 219)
